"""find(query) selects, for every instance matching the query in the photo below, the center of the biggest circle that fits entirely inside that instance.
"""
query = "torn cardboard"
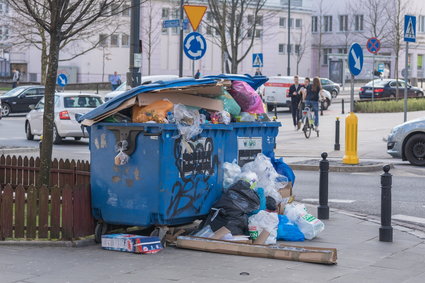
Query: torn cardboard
(278, 251)
(185, 99)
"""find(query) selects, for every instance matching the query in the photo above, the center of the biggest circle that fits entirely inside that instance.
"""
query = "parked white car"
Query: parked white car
(145, 80)
(67, 105)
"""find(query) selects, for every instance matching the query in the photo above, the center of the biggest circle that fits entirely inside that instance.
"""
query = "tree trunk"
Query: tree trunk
(44, 64)
(49, 108)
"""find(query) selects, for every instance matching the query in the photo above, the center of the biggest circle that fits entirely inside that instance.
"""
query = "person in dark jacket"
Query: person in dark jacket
(313, 93)
(295, 95)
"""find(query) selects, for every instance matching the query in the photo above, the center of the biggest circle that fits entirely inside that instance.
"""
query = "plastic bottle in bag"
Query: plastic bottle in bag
(309, 225)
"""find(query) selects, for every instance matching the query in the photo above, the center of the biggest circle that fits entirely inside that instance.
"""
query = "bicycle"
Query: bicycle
(308, 120)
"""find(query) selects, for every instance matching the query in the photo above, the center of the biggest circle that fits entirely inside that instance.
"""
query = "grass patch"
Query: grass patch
(389, 106)
(5, 88)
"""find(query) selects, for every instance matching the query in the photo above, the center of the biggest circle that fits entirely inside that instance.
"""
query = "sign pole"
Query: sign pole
(406, 77)
(373, 79)
(181, 40)
(352, 95)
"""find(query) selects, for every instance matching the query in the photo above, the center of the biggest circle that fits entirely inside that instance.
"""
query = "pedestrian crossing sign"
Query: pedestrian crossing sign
(257, 60)
(409, 28)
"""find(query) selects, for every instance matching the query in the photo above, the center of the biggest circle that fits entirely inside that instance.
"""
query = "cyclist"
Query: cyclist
(312, 94)
(295, 95)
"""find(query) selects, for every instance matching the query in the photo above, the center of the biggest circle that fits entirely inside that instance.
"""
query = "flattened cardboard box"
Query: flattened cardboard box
(279, 251)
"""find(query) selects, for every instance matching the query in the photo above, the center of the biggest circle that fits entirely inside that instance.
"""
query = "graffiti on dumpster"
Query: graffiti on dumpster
(196, 164)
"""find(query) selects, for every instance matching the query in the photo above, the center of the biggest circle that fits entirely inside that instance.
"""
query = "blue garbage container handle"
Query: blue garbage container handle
(128, 134)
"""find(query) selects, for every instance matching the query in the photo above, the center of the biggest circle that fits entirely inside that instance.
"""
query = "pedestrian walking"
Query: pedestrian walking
(312, 94)
(198, 74)
(296, 96)
(115, 81)
(16, 78)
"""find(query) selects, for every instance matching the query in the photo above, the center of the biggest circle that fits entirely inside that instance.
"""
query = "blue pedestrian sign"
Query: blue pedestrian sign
(62, 80)
(194, 46)
(373, 45)
(409, 28)
(355, 59)
(381, 67)
(257, 60)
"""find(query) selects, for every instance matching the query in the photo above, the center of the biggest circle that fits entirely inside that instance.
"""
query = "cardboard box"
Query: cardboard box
(286, 191)
(278, 251)
(262, 238)
(185, 99)
(220, 233)
(131, 243)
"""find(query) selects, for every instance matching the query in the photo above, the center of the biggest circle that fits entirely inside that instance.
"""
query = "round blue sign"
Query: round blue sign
(194, 46)
(355, 59)
(373, 45)
(62, 80)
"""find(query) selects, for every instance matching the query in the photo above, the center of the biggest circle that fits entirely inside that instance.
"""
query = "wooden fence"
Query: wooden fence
(61, 211)
(24, 171)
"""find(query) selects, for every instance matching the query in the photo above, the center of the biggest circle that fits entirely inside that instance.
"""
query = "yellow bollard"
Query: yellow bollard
(351, 131)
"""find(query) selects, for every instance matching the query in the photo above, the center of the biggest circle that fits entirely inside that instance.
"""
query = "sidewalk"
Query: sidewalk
(361, 258)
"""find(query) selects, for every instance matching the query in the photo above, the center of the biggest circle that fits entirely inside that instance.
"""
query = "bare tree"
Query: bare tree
(151, 32)
(319, 26)
(236, 22)
(62, 20)
(396, 9)
(26, 33)
(302, 43)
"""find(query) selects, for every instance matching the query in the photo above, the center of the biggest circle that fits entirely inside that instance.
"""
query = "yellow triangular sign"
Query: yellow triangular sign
(195, 14)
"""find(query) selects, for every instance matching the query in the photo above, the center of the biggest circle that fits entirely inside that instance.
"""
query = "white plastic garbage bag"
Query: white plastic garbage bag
(188, 121)
(232, 171)
(309, 225)
(264, 220)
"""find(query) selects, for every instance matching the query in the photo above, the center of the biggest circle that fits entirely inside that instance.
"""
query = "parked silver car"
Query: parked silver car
(407, 141)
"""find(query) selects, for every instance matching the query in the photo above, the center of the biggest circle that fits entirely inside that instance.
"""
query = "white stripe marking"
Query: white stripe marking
(330, 200)
(408, 218)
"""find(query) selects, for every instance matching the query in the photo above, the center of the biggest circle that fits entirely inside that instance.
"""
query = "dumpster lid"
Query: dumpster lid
(128, 98)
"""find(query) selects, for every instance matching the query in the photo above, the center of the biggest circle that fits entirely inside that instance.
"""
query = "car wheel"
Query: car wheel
(270, 108)
(77, 138)
(420, 94)
(334, 93)
(57, 139)
(6, 110)
(415, 150)
(28, 133)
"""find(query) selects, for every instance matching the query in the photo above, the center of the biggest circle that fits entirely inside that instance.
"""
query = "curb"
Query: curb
(333, 168)
(63, 244)
(5, 151)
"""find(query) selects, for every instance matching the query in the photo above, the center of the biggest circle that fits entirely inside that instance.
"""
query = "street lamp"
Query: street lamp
(289, 38)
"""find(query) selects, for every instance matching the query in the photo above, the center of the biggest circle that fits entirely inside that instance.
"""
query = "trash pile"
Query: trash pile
(257, 202)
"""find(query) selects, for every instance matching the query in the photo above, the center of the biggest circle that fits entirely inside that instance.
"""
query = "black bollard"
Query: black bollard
(386, 230)
(321, 108)
(323, 208)
(275, 110)
(342, 110)
(337, 146)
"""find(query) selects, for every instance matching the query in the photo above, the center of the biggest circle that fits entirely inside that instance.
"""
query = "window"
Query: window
(209, 16)
(314, 24)
(342, 50)
(260, 20)
(328, 23)
(358, 22)
(164, 31)
(125, 40)
(258, 33)
(297, 49)
(421, 24)
(420, 61)
(282, 22)
(250, 19)
(291, 23)
(4, 7)
(298, 23)
(31, 92)
(103, 40)
(81, 102)
(115, 8)
(174, 30)
(343, 23)
(115, 40)
(165, 13)
(281, 48)
(209, 30)
(126, 10)
(326, 52)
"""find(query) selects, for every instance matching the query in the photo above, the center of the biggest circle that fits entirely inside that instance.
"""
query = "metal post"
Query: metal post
(134, 42)
(343, 104)
(352, 94)
(373, 79)
(323, 208)
(406, 77)
(337, 146)
(386, 230)
(181, 40)
(289, 38)
(275, 110)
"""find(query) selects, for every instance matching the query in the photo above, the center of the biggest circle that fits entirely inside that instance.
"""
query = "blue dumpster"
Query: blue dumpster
(167, 181)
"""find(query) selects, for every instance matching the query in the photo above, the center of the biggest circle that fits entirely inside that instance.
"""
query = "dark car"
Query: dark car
(19, 99)
(330, 86)
(387, 89)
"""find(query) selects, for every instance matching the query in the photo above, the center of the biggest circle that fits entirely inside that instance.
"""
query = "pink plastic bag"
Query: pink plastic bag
(247, 98)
